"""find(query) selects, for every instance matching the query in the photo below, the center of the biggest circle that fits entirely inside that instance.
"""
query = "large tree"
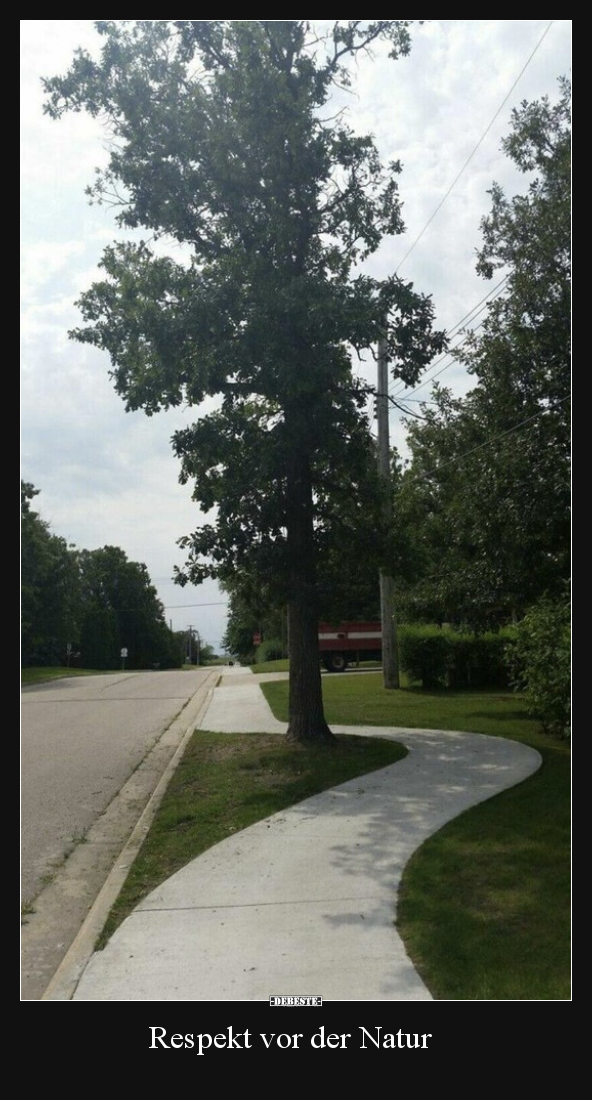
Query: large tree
(88, 602)
(488, 488)
(223, 139)
(49, 588)
(120, 609)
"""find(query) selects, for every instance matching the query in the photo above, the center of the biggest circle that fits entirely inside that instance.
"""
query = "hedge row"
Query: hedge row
(436, 657)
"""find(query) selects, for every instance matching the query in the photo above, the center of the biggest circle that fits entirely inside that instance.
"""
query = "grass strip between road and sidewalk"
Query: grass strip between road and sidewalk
(35, 675)
(226, 782)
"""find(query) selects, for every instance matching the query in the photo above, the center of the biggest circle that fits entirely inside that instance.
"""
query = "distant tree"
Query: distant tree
(49, 589)
(121, 609)
(207, 654)
(95, 601)
(251, 613)
(222, 138)
(100, 640)
(238, 637)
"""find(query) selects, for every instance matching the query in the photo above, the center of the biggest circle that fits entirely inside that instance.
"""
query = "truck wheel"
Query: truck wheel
(336, 662)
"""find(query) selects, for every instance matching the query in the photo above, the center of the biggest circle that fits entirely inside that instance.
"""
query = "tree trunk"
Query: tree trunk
(306, 715)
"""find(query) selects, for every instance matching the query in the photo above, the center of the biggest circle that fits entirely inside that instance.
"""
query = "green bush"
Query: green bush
(437, 657)
(271, 649)
(479, 660)
(424, 654)
(542, 664)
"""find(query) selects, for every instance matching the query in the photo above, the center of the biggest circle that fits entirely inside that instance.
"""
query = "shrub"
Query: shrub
(439, 657)
(542, 664)
(479, 660)
(271, 649)
(424, 654)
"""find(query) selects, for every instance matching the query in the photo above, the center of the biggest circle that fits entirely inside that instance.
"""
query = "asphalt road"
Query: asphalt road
(92, 751)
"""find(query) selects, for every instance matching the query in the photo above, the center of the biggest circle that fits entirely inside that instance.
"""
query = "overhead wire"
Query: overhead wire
(177, 606)
(471, 314)
(466, 317)
(500, 435)
(479, 143)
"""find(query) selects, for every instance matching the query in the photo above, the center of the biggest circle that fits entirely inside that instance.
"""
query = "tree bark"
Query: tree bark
(306, 713)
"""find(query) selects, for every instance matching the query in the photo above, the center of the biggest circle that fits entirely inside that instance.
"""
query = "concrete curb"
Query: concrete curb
(63, 983)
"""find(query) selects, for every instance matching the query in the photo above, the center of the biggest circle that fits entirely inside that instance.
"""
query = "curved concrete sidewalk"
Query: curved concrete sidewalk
(304, 902)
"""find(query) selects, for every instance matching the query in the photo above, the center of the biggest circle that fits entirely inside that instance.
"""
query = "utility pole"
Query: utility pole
(390, 659)
(190, 645)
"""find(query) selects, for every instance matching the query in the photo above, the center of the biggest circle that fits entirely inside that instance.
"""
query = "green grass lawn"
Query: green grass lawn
(485, 904)
(271, 666)
(484, 907)
(283, 665)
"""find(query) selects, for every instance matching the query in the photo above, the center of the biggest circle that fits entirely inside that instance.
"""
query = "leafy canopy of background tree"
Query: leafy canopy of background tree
(223, 140)
(49, 587)
(120, 608)
(488, 488)
(97, 601)
(348, 586)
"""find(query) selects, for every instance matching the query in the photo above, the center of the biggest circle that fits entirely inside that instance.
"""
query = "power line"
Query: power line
(472, 314)
(420, 386)
(479, 143)
(407, 396)
(176, 606)
(418, 400)
(476, 310)
(407, 412)
(479, 303)
(501, 435)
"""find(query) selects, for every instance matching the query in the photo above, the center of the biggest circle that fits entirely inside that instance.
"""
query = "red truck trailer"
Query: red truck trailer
(349, 643)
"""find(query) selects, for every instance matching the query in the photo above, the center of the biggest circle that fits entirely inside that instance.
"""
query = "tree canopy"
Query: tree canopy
(488, 488)
(49, 587)
(223, 140)
(120, 609)
(83, 606)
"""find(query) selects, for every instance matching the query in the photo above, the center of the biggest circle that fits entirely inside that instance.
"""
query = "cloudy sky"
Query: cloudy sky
(107, 477)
